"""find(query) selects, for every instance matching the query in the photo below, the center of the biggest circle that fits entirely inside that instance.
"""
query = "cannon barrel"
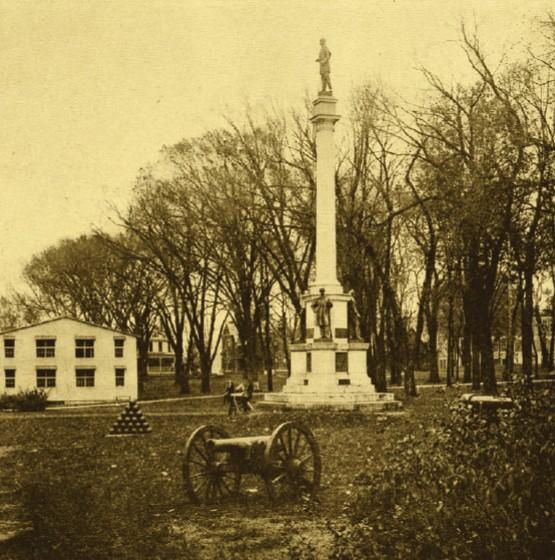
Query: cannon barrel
(487, 401)
(229, 444)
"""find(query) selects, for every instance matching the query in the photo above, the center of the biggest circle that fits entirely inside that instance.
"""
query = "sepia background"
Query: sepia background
(92, 89)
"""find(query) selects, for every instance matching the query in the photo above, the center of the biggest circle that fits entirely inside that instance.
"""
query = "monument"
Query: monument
(328, 367)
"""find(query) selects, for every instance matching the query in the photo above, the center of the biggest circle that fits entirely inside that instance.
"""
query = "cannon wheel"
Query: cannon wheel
(208, 476)
(292, 460)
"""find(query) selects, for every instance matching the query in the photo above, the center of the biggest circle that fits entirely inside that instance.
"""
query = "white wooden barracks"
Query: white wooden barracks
(71, 359)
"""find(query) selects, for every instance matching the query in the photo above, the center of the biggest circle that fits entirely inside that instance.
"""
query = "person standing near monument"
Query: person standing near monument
(324, 60)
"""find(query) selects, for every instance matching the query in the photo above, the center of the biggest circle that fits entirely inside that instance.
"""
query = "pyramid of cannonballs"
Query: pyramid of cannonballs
(130, 422)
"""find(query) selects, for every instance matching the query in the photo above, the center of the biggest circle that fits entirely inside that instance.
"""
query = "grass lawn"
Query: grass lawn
(86, 496)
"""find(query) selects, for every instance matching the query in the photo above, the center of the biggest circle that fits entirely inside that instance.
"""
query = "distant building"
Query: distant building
(227, 357)
(499, 352)
(161, 358)
(70, 359)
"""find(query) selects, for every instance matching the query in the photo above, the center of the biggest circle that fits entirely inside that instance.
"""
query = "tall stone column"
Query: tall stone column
(324, 119)
(328, 367)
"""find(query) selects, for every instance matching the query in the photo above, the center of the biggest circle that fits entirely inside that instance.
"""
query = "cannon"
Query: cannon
(487, 405)
(288, 461)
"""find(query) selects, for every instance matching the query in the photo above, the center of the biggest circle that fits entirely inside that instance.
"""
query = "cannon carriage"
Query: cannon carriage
(288, 461)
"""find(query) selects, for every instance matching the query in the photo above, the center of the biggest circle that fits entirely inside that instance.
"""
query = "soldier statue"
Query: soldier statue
(321, 307)
(324, 60)
(353, 318)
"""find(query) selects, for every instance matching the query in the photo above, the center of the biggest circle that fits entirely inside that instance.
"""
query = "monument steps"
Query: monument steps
(370, 407)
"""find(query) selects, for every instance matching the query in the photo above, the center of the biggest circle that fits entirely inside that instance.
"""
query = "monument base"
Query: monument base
(338, 400)
(332, 375)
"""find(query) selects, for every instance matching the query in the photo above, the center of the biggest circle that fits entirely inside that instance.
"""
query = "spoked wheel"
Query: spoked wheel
(293, 463)
(208, 475)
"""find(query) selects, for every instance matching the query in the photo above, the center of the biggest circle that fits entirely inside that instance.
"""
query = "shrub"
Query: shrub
(7, 402)
(31, 400)
(462, 489)
(25, 401)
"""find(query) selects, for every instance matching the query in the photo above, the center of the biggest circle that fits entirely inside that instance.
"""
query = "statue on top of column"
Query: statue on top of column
(324, 60)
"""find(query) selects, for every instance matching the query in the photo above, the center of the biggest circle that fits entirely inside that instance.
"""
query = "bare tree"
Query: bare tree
(172, 241)
(85, 278)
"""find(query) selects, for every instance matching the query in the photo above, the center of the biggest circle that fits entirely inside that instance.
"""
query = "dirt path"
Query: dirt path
(265, 537)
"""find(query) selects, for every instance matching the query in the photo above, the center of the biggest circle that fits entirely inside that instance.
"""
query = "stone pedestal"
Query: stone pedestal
(328, 371)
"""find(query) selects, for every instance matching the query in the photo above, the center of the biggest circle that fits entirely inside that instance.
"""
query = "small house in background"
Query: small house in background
(72, 360)
(161, 357)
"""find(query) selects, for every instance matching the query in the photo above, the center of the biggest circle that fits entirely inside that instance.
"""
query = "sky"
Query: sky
(91, 90)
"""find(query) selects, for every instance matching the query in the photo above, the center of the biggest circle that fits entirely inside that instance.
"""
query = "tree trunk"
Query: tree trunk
(371, 363)
(457, 355)
(552, 338)
(369, 333)
(142, 363)
(418, 333)
(401, 336)
(267, 345)
(449, 374)
(189, 357)
(395, 352)
(510, 357)
(509, 366)
(249, 359)
(381, 380)
(205, 371)
(527, 316)
(284, 338)
(486, 359)
(475, 347)
(432, 332)
(270, 373)
(467, 348)
(181, 377)
(410, 381)
(542, 338)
